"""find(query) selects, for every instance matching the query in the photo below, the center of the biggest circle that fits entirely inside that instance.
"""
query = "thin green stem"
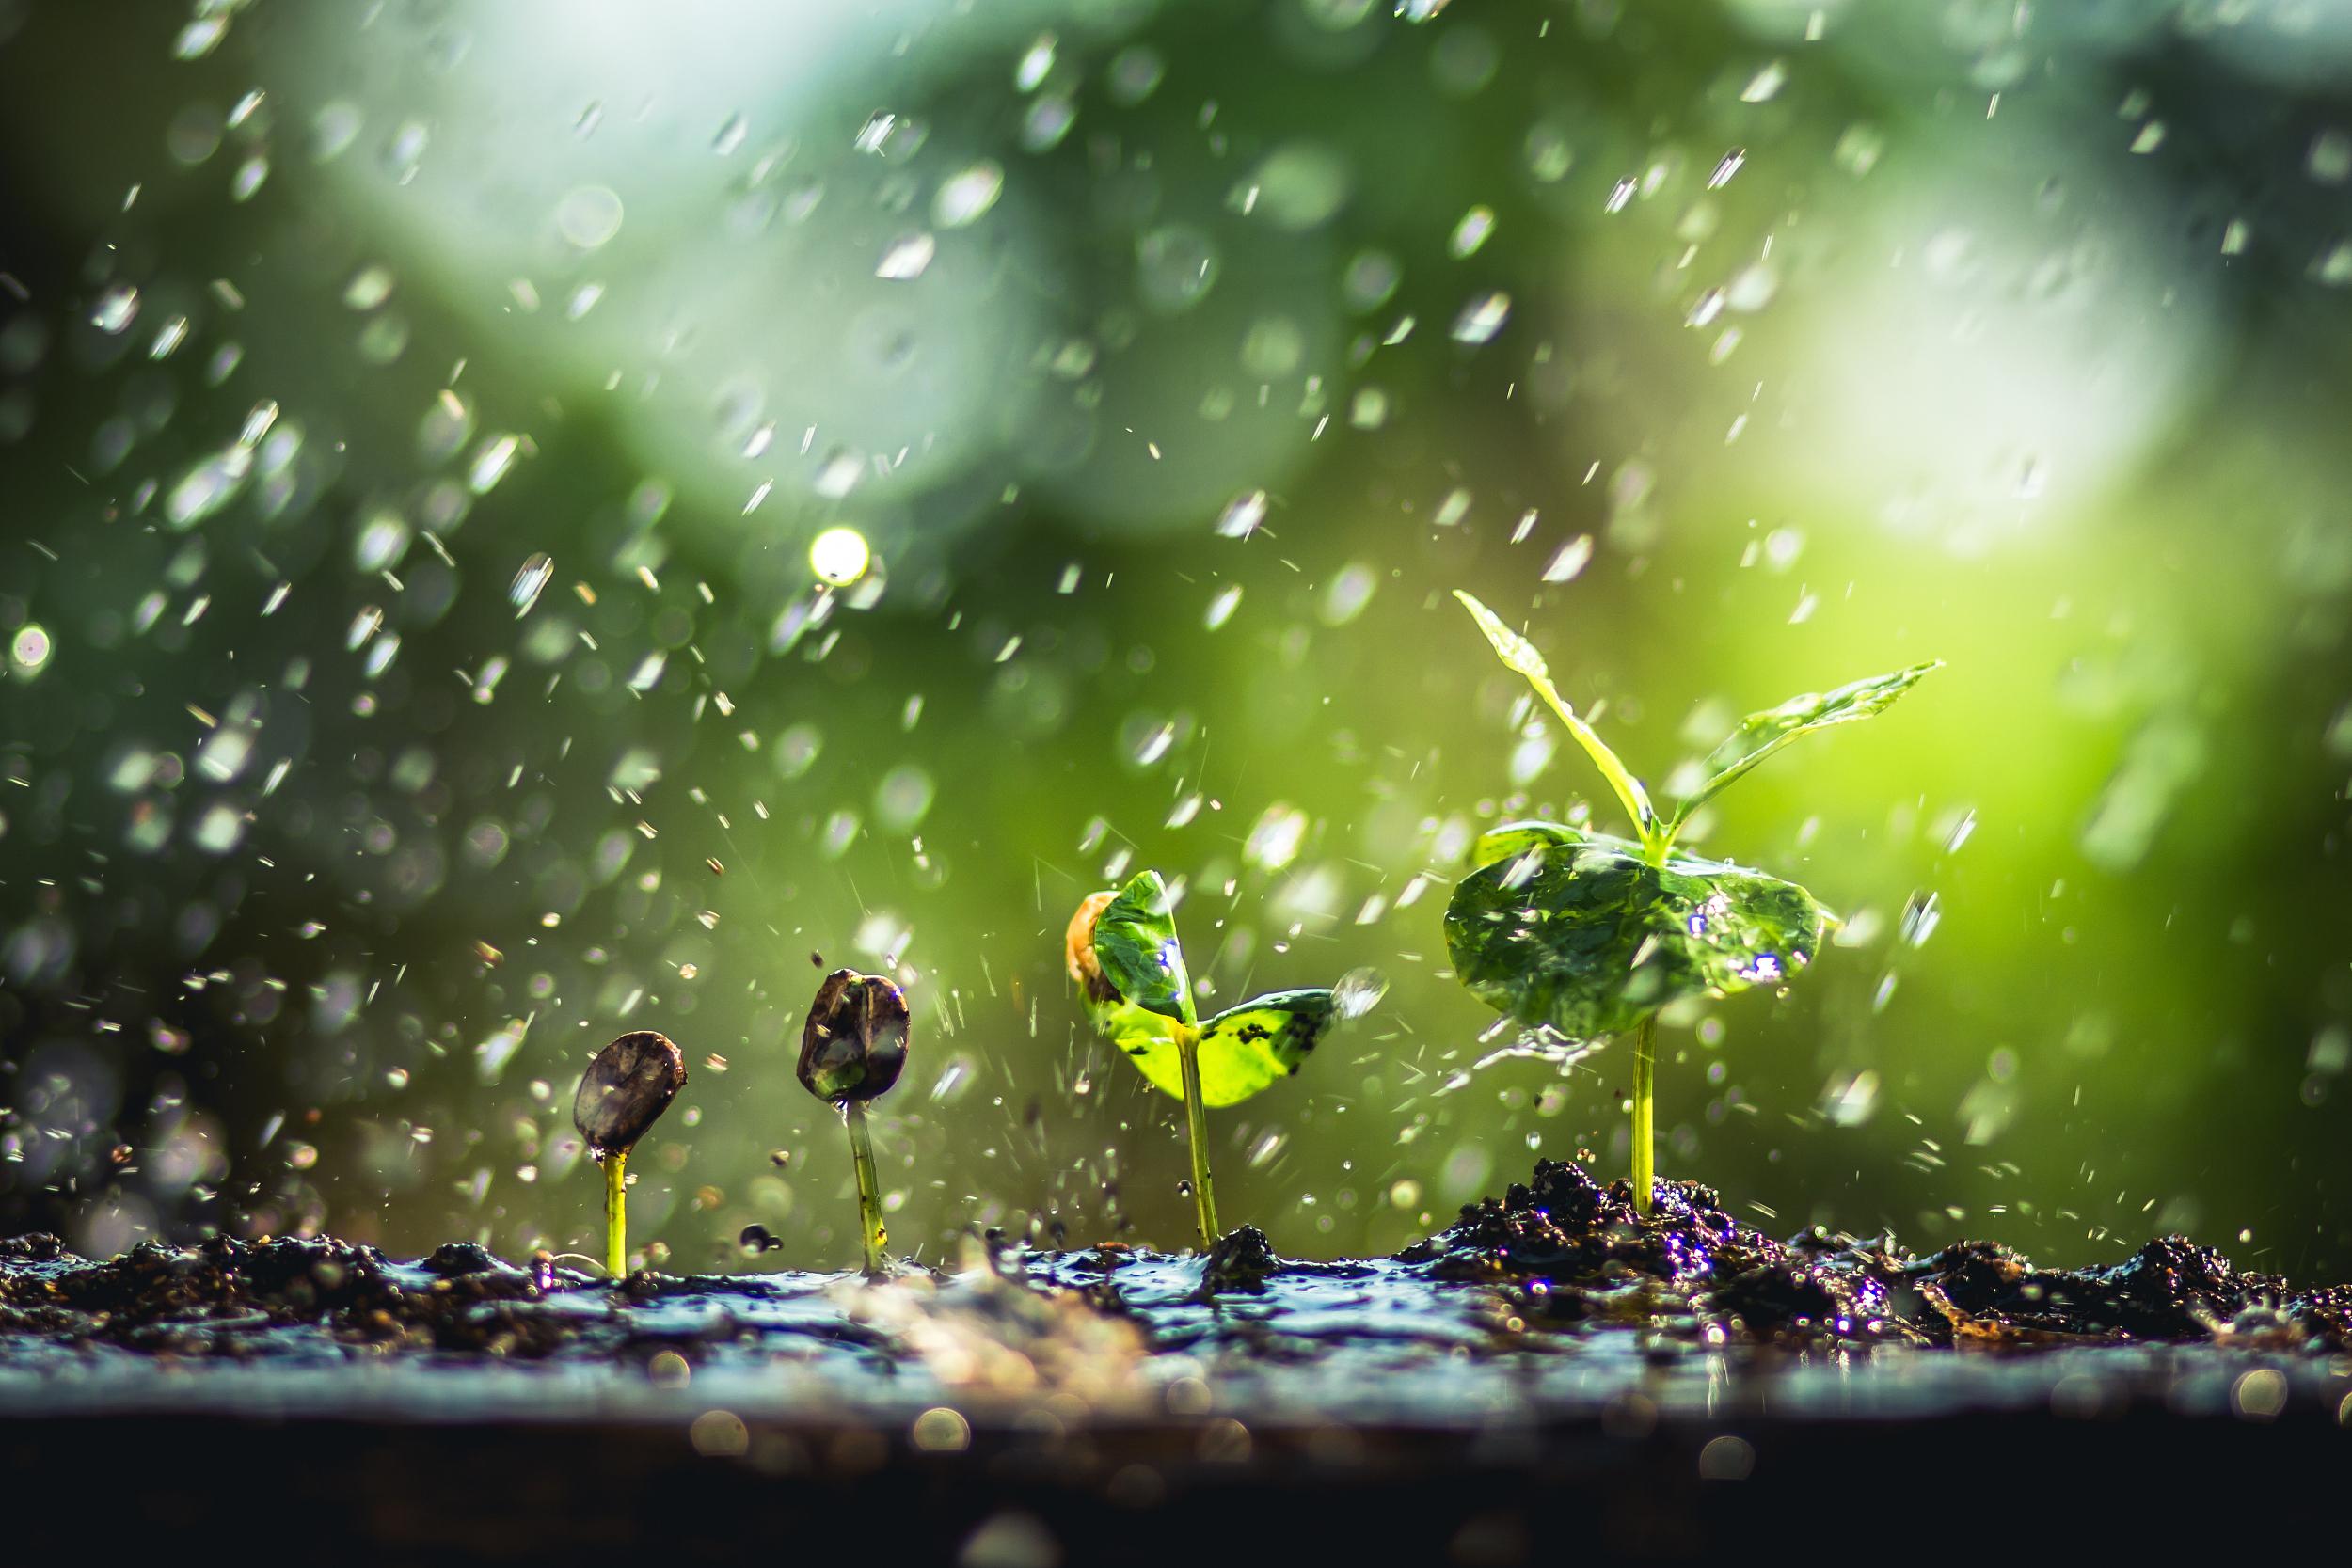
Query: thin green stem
(616, 1213)
(1644, 1110)
(1196, 1127)
(870, 1228)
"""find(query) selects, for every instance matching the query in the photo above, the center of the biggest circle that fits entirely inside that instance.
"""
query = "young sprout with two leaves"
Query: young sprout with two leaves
(854, 1046)
(1592, 935)
(623, 1092)
(1129, 968)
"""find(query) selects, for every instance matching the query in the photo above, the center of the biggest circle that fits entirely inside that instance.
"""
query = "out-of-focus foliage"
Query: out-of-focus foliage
(520, 522)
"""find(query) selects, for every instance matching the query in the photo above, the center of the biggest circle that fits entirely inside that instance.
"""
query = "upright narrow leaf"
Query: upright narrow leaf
(1521, 654)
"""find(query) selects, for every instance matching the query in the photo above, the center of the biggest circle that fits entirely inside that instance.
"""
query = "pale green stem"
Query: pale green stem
(1197, 1126)
(1644, 1110)
(616, 1213)
(871, 1230)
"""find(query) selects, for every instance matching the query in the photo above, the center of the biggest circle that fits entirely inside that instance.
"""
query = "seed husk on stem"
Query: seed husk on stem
(854, 1046)
(621, 1094)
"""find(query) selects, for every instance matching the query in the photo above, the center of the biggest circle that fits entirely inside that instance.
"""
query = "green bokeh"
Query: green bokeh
(2010, 389)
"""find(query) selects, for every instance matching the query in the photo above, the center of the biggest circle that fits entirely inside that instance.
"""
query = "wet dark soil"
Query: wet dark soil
(1573, 1251)
(1553, 1375)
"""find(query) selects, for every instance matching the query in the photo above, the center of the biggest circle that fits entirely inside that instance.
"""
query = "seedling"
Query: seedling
(623, 1093)
(1130, 971)
(852, 1048)
(1592, 935)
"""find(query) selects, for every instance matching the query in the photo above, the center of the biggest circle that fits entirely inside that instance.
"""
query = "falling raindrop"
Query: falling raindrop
(965, 196)
(907, 257)
(1477, 224)
(1482, 318)
(529, 582)
(1571, 558)
(1243, 516)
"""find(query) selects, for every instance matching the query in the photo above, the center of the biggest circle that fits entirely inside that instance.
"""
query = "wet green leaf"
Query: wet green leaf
(1243, 1049)
(1760, 734)
(1521, 655)
(1135, 945)
(1580, 931)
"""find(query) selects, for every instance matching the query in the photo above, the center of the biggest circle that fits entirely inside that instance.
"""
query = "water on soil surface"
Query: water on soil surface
(1551, 1303)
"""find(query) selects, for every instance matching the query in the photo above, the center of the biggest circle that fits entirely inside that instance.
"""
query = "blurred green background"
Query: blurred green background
(415, 419)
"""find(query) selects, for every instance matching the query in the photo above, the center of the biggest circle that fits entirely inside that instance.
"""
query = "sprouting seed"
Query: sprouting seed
(854, 1046)
(623, 1093)
(1124, 955)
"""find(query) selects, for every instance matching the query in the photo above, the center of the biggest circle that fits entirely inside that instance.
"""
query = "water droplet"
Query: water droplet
(116, 308)
(1619, 194)
(589, 215)
(1276, 839)
(903, 797)
(1175, 267)
(1048, 122)
(1477, 224)
(1572, 558)
(907, 257)
(1350, 591)
(1766, 84)
(1221, 608)
(1482, 318)
(886, 134)
(491, 461)
(840, 556)
(1035, 64)
(731, 135)
(841, 473)
(964, 197)
(1371, 277)
(1729, 166)
(30, 649)
(1243, 516)
(208, 487)
(1359, 991)
(529, 583)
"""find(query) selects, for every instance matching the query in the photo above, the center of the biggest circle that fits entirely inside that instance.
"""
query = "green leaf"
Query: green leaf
(1521, 654)
(1261, 1041)
(1582, 932)
(1146, 1039)
(1243, 1049)
(1135, 942)
(1760, 734)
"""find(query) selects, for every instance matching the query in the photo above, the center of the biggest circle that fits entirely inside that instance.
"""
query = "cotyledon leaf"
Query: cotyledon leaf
(1243, 1049)
(1760, 734)
(1582, 932)
(1135, 942)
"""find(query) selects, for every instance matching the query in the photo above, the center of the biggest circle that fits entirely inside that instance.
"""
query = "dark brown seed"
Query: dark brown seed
(855, 1040)
(626, 1089)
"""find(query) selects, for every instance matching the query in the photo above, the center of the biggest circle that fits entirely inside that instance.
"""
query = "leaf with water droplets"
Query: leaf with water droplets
(1244, 1049)
(1582, 932)
(1760, 734)
(1128, 950)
